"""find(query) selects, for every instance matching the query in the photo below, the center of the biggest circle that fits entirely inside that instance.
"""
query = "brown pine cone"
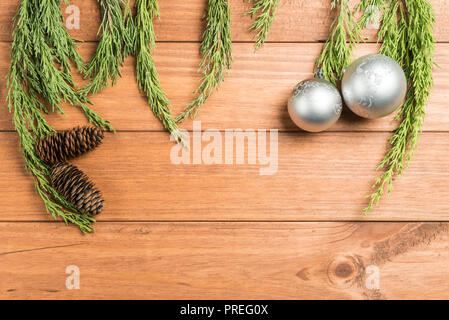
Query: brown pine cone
(75, 186)
(68, 144)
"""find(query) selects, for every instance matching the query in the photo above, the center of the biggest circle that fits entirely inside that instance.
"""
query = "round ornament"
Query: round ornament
(315, 105)
(374, 86)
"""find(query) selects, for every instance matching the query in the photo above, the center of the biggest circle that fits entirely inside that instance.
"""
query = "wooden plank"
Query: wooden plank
(230, 233)
(322, 177)
(254, 94)
(297, 21)
(226, 261)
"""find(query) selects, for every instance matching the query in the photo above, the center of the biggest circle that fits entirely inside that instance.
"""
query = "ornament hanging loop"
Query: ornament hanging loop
(319, 74)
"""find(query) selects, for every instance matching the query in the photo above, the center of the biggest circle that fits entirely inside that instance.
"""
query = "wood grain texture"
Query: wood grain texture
(224, 231)
(319, 177)
(254, 94)
(297, 20)
(226, 261)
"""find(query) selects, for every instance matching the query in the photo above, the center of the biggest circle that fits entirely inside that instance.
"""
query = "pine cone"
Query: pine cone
(75, 186)
(68, 144)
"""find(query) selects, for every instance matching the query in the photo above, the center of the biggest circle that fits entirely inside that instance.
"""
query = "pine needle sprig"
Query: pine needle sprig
(216, 49)
(29, 124)
(337, 53)
(48, 46)
(369, 10)
(104, 67)
(130, 31)
(147, 75)
(40, 78)
(406, 32)
(57, 37)
(264, 12)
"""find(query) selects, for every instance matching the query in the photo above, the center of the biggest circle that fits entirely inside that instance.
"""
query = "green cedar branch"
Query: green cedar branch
(216, 49)
(130, 31)
(264, 12)
(337, 50)
(38, 43)
(147, 75)
(50, 45)
(104, 67)
(369, 10)
(406, 32)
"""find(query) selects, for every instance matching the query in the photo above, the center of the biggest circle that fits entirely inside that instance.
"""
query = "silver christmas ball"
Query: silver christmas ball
(315, 105)
(374, 86)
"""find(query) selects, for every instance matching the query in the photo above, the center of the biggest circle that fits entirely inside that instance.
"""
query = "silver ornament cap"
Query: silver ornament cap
(374, 86)
(315, 105)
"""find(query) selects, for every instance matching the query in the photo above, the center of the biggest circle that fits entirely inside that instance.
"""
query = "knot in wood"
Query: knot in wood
(343, 271)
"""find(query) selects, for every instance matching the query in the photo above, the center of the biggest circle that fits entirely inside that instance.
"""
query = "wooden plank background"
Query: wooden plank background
(224, 231)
